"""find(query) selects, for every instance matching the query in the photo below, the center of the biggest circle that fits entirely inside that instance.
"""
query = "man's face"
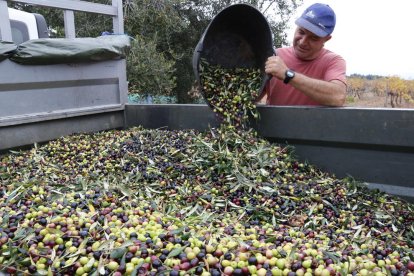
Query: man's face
(307, 45)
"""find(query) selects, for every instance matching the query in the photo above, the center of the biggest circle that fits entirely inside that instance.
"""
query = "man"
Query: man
(307, 73)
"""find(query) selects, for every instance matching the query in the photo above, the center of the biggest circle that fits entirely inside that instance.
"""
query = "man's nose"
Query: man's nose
(303, 40)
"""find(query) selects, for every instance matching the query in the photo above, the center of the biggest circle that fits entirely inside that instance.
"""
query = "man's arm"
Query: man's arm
(330, 93)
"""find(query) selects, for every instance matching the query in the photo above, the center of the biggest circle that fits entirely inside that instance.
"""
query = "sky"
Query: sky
(373, 36)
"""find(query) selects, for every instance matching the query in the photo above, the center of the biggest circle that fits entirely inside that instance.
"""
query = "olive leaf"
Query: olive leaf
(118, 253)
(176, 252)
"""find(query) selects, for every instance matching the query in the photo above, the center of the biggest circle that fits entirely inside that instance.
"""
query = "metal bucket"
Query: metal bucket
(237, 37)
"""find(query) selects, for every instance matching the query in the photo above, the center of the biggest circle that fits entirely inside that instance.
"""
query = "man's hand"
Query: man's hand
(276, 67)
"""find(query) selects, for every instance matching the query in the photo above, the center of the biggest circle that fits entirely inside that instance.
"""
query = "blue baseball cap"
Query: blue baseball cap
(319, 19)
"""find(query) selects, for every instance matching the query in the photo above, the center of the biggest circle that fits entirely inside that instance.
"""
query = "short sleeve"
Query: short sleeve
(336, 69)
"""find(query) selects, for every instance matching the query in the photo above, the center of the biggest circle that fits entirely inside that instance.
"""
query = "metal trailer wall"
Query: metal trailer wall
(43, 102)
(38, 94)
(371, 145)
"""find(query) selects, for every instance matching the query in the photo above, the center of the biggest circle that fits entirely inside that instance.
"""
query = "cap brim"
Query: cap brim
(311, 27)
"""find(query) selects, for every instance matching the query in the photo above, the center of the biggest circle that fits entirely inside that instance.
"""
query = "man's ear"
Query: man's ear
(328, 38)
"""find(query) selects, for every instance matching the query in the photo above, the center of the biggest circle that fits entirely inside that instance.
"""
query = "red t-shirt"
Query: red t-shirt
(328, 66)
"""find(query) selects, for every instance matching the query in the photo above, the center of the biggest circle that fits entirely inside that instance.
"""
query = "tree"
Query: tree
(398, 90)
(149, 72)
(198, 14)
(355, 86)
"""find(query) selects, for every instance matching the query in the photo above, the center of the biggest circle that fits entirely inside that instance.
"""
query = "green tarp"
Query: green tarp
(46, 51)
(6, 49)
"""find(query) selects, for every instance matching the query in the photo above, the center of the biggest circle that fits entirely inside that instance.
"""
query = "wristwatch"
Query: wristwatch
(289, 74)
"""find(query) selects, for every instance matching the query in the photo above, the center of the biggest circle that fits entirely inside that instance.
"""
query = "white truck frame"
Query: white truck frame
(26, 26)
(43, 102)
(68, 7)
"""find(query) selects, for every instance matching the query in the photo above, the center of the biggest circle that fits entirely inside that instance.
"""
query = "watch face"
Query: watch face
(289, 75)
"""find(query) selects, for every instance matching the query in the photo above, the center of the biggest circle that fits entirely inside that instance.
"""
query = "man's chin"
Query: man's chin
(302, 54)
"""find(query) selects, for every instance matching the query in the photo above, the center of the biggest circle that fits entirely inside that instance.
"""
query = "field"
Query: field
(370, 99)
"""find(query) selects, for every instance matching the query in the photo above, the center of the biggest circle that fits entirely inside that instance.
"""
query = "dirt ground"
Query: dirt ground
(369, 99)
